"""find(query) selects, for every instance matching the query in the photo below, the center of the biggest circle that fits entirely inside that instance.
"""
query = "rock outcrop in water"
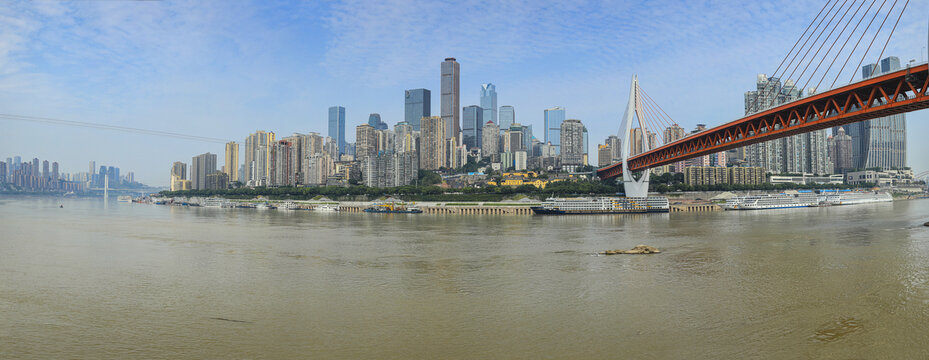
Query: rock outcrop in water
(638, 249)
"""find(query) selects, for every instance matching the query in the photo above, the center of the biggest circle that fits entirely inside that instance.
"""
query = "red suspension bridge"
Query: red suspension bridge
(887, 94)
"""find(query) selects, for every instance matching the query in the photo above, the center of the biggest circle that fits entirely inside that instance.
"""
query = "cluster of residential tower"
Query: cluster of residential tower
(385, 157)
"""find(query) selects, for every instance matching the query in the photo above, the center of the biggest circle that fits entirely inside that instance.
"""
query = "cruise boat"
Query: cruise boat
(602, 205)
(856, 197)
(327, 208)
(393, 208)
(772, 201)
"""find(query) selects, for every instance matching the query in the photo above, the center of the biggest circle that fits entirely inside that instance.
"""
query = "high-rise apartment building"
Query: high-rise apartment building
(178, 172)
(604, 155)
(201, 166)
(417, 105)
(284, 160)
(507, 116)
(489, 102)
(513, 139)
(337, 126)
(616, 147)
(802, 153)
(450, 97)
(257, 158)
(405, 138)
(490, 139)
(366, 139)
(231, 165)
(553, 119)
(473, 118)
(432, 154)
(571, 139)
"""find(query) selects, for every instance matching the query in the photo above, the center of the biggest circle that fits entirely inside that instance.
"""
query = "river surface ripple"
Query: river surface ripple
(118, 280)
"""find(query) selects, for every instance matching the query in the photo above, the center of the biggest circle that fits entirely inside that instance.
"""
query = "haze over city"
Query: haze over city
(224, 70)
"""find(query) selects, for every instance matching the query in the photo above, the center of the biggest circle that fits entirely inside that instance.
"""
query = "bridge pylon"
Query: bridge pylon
(634, 187)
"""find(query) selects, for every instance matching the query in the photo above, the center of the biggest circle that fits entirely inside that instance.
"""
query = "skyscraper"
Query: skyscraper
(802, 153)
(365, 141)
(490, 139)
(257, 158)
(337, 126)
(417, 105)
(507, 117)
(879, 143)
(473, 118)
(553, 119)
(231, 165)
(432, 153)
(571, 132)
(178, 173)
(450, 97)
(375, 121)
(841, 152)
(404, 138)
(201, 166)
(489, 102)
(283, 162)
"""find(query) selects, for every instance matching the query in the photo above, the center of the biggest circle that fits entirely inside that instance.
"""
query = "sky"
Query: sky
(223, 69)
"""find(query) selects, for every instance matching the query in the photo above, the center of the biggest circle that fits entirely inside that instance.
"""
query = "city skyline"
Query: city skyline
(284, 100)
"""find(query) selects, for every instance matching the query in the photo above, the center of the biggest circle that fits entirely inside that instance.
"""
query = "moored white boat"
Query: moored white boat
(326, 208)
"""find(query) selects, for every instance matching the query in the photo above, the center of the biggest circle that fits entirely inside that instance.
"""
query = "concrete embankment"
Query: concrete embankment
(453, 210)
(695, 207)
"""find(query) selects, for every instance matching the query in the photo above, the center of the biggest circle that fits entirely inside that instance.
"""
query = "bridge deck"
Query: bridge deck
(892, 93)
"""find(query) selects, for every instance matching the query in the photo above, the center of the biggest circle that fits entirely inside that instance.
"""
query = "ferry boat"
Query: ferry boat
(772, 201)
(602, 205)
(393, 208)
(124, 198)
(856, 197)
(327, 208)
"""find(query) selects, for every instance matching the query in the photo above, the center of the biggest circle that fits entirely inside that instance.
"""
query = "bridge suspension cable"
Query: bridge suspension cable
(863, 56)
(850, 34)
(836, 40)
(863, 33)
(892, 31)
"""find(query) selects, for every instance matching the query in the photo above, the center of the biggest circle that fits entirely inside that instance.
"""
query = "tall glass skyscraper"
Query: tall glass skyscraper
(417, 104)
(473, 119)
(375, 121)
(881, 142)
(337, 126)
(489, 102)
(451, 92)
(553, 119)
(507, 117)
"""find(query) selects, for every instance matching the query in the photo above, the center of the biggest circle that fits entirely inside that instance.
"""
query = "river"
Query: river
(120, 280)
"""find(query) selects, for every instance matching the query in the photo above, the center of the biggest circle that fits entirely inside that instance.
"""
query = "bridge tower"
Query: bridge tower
(634, 188)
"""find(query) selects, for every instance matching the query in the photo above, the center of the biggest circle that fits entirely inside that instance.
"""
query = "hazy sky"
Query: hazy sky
(224, 69)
